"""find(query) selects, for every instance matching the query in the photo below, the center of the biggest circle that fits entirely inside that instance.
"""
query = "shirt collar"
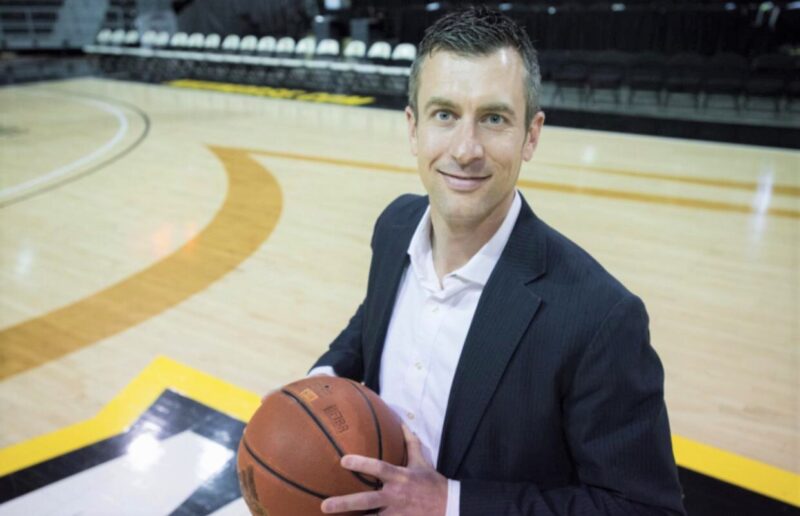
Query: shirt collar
(479, 267)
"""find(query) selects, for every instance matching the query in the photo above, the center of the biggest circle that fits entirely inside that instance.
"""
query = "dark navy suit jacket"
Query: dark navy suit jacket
(557, 402)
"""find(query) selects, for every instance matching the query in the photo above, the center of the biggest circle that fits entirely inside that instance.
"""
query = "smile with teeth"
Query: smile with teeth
(462, 183)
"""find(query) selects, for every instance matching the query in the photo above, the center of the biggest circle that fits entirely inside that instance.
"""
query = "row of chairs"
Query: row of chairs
(267, 51)
(379, 68)
(776, 76)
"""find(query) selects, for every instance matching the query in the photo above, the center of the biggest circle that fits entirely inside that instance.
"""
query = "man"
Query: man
(523, 368)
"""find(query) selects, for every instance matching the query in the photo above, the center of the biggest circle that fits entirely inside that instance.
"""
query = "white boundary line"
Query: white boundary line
(61, 171)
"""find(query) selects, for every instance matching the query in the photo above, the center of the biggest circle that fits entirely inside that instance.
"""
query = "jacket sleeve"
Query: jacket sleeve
(345, 352)
(617, 429)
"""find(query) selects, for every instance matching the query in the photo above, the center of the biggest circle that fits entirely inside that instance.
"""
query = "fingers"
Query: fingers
(414, 446)
(353, 502)
(383, 471)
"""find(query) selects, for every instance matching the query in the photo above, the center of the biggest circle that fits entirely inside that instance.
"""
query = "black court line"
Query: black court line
(98, 167)
(169, 415)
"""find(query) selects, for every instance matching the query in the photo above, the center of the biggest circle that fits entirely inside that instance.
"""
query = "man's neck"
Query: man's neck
(454, 244)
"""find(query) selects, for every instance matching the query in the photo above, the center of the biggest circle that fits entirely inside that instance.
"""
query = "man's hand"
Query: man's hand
(413, 490)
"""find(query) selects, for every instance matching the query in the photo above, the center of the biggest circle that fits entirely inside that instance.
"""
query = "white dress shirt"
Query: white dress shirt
(427, 332)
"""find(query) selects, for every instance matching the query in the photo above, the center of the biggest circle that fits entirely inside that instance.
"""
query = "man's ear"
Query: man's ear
(412, 129)
(532, 137)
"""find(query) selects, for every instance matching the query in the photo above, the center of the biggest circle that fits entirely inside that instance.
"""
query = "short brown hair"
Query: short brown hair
(478, 31)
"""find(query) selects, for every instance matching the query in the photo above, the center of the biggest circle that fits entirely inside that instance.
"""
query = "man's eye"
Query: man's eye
(443, 116)
(495, 119)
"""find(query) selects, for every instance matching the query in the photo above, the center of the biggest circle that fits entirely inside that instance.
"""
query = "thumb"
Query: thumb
(414, 446)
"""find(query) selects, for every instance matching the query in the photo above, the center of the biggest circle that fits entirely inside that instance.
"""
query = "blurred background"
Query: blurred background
(729, 69)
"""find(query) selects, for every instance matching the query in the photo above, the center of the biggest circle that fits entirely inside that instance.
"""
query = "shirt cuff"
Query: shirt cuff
(322, 370)
(453, 498)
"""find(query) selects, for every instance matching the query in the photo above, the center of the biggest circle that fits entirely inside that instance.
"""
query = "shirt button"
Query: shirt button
(435, 309)
(418, 365)
(410, 415)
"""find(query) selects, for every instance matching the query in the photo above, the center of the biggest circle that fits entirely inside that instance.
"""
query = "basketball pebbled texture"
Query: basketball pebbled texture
(288, 459)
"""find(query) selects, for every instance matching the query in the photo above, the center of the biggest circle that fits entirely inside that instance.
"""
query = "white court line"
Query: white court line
(59, 172)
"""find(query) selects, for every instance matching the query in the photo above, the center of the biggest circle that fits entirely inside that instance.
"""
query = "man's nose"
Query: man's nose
(467, 147)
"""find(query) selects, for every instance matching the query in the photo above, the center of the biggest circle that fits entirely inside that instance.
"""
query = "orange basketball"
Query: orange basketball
(288, 459)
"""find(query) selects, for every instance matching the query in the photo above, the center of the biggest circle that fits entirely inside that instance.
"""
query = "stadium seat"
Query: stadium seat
(266, 45)
(380, 53)
(212, 42)
(148, 39)
(305, 47)
(574, 73)
(344, 68)
(196, 41)
(725, 74)
(131, 38)
(265, 54)
(646, 73)
(231, 43)
(179, 40)
(369, 70)
(161, 40)
(403, 55)
(607, 71)
(769, 77)
(284, 52)
(208, 56)
(117, 38)
(104, 37)
(285, 47)
(355, 49)
(327, 48)
(248, 45)
(319, 73)
(685, 75)
(397, 72)
(793, 88)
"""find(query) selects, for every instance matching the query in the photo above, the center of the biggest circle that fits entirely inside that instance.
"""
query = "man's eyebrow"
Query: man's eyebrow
(439, 102)
(498, 107)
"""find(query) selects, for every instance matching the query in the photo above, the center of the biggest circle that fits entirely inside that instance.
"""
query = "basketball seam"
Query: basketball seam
(315, 419)
(377, 430)
(292, 483)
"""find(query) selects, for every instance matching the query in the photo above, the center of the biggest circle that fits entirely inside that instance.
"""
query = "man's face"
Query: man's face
(469, 136)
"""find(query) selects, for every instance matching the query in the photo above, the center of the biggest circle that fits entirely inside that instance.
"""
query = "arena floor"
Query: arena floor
(229, 235)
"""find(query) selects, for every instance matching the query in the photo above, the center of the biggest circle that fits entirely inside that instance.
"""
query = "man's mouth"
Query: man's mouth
(462, 183)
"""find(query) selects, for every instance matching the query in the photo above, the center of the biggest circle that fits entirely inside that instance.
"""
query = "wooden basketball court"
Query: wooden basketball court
(230, 233)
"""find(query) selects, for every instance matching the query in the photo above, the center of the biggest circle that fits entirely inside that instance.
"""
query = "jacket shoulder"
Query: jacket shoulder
(405, 209)
(576, 269)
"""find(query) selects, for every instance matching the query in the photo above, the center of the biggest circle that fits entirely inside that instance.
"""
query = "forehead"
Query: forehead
(495, 77)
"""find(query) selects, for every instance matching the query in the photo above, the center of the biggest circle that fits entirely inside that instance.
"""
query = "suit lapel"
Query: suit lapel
(504, 312)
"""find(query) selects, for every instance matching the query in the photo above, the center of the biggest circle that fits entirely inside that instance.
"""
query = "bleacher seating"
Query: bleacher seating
(628, 48)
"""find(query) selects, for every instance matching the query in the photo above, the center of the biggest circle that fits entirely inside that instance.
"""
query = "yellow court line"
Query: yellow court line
(164, 373)
(701, 181)
(683, 202)
(734, 469)
(247, 217)
(276, 93)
